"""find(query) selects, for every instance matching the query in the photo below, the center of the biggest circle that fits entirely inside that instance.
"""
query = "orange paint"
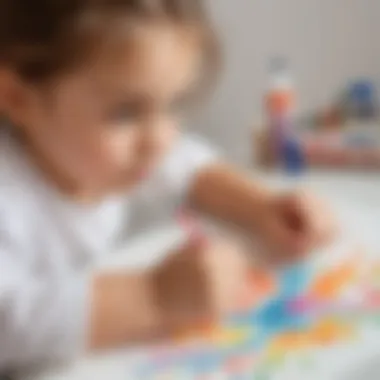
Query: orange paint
(330, 284)
(263, 281)
(260, 285)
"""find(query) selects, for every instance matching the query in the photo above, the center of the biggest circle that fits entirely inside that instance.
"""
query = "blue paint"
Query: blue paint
(271, 318)
(202, 362)
(294, 280)
(275, 317)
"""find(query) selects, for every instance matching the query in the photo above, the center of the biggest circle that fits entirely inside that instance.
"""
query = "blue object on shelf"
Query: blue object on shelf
(363, 91)
(363, 99)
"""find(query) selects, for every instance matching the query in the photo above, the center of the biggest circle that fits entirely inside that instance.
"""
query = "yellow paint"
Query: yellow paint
(233, 336)
(374, 275)
(324, 332)
(330, 331)
(276, 358)
(287, 341)
(376, 269)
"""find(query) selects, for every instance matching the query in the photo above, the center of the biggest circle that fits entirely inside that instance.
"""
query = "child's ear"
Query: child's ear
(15, 97)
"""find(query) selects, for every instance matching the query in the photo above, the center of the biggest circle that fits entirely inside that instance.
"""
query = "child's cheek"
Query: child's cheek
(119, 147)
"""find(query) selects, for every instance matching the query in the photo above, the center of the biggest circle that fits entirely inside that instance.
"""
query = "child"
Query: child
(92, 92)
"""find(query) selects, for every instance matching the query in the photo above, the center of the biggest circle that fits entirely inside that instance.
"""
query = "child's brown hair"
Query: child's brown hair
(40, 39)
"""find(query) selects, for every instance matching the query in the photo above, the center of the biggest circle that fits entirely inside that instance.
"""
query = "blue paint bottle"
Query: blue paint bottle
(280, 106)
(292, 156)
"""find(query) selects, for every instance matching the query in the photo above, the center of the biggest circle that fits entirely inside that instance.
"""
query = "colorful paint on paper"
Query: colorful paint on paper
(292, 311)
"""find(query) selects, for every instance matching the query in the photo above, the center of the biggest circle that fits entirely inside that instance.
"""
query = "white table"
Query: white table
(356, 199)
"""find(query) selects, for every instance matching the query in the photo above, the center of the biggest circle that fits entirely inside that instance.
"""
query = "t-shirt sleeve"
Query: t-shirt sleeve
(189, 156)
(43, 312)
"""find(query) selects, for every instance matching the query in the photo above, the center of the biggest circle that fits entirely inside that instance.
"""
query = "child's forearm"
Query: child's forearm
(123, 310)
(130, 308)
(222, 192)
(187, 289)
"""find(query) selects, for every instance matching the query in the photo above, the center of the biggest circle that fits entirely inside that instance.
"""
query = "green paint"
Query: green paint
(262, 376)
(375, 319)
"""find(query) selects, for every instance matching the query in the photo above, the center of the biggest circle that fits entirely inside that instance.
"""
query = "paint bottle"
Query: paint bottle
(280, 114)
(293, 157)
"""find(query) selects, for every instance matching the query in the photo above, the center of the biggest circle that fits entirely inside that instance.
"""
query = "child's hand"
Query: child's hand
(200, 283)
(289, 226)
(294, 224)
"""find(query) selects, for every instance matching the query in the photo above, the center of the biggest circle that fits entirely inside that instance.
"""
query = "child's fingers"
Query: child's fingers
(310, 218)
(286, 240)
(322, 221)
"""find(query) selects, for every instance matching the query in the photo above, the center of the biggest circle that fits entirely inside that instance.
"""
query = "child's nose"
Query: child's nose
(154, 138)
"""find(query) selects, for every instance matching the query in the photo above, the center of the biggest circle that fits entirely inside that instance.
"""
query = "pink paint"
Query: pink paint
(303, 305)
(373, 299)
(307, 305)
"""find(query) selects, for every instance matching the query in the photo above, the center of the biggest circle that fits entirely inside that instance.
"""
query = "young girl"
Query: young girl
(91, 91)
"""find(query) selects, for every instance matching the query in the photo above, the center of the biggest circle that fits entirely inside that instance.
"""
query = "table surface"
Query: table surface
(356, 199)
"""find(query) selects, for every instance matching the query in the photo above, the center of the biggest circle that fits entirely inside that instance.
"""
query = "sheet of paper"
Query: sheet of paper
(292, 321)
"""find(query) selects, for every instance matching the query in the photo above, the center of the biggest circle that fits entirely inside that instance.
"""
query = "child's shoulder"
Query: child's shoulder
(8, 156)
(16, 198)
(13, 177)
(5, 160)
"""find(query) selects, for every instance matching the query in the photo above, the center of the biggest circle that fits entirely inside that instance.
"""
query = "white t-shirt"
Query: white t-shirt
(48, 243)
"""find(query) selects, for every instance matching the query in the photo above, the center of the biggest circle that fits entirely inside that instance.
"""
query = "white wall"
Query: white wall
(325, 41)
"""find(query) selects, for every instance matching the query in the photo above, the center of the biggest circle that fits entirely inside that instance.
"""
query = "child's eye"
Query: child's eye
(179, 106)
(122, 114)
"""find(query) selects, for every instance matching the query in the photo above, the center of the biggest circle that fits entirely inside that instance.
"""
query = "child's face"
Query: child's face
(107, 126)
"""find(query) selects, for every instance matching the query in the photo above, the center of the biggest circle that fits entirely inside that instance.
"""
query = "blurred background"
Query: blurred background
(326, 43)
